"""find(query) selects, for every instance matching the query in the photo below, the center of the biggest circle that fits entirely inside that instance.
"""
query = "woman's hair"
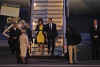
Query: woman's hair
(22, 21)
(50, 18)
(40, 20)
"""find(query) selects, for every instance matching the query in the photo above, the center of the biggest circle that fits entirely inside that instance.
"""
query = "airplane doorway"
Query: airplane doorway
(45, 9)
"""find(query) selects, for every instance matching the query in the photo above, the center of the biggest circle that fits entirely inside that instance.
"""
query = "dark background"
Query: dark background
(81, 15)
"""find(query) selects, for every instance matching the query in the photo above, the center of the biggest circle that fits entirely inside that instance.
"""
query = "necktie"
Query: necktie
(96, 26)
(51, 26)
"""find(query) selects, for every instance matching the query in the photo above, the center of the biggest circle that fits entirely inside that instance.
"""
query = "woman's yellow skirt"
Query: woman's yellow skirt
(40, 37)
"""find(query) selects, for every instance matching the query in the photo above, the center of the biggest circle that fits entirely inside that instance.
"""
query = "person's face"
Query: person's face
(49, 20)
(22, 24)
(15, 25)
(14, 20)
(27, 25)
(95, 22)
(40, 22)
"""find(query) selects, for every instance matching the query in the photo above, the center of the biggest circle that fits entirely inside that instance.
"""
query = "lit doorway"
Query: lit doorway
(45, 9)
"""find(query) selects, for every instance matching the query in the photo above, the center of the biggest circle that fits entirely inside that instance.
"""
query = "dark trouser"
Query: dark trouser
(18, 56)
(51, 45)
(18, 52)
(27, 56)
(11, 43)
(96, 49)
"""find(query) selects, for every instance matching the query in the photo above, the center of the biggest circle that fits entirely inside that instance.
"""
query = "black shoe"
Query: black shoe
(70, 63)
(52, 54)
(19, 62)
(76, 62)
(25, 63)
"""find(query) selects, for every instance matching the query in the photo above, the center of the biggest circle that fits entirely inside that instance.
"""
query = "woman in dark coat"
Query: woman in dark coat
(73, 38)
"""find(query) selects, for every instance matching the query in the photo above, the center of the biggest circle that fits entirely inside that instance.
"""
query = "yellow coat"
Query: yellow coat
(40, 36)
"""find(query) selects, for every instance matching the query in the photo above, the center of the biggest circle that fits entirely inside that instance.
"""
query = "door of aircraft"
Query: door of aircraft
(45, 9)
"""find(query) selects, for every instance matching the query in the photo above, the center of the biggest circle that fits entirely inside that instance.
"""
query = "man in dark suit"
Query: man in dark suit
(51, 35)
(13, 39)
(73, 39)
(95, 35)
(29, 33)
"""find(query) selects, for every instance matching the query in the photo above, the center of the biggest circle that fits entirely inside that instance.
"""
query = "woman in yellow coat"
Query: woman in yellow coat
(40, 38)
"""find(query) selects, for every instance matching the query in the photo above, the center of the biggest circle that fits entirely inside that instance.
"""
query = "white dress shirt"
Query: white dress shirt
(50, 25)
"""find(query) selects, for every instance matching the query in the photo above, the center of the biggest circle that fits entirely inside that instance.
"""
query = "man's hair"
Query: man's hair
(50, 18)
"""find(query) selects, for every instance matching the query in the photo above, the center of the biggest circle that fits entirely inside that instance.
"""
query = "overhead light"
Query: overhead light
(33, 23)
(34, 4)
